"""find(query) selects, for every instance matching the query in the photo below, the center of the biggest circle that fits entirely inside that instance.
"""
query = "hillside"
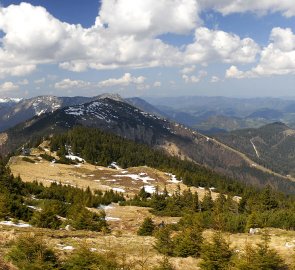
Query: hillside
(211, 113)
(120, 118)
(271, 146)
(106, 222)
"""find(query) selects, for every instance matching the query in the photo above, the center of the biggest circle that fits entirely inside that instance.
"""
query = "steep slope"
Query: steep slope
(13, 112)
(271, 145)
(119, 117)
(145, 106)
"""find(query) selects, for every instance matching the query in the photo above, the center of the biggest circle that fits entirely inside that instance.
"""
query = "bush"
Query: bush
(31, 253)
(216, 254)
(188, 243)
(47, 157)
(147, 227)
(83, 219)
(164, 243)
(260, 257)
(83, 258)
(46, 218)
(164, 265)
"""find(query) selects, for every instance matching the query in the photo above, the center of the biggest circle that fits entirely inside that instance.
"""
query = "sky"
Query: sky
(147, 48)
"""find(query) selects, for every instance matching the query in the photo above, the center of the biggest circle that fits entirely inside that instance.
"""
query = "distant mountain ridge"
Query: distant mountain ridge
(209, 113)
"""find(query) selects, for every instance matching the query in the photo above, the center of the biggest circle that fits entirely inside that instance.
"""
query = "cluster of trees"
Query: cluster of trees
(258, 209)
(55, 206)
(30, 252)
(98, 147)
(216, 253)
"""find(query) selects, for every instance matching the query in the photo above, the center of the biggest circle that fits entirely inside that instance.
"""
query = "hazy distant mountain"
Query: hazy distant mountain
(211, 113)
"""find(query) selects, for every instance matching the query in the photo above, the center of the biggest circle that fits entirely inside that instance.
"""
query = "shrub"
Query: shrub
(31, 253)
(147, 227)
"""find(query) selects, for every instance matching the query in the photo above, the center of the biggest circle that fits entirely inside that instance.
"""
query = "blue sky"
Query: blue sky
(147, 48)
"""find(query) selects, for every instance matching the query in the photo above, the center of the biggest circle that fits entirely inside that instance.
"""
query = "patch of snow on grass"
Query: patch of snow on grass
(114, 164)
(173, 178)
(150, 189)
(112, 219)
(19, 225)
(105, 207)
(72, 157)
(119, 189)
(136, 177)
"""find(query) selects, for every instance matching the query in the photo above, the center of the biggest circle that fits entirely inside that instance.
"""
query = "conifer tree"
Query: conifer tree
(207, 203)
(188, 243)
(164, 243)
(260, 257)
(147, 227)
(216, 255)
(31, 253)
(164, 265)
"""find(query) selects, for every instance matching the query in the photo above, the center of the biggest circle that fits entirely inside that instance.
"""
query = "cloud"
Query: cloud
(149, 17)
(157, 84)
(23, 82)
(216, 45)
(188, 70)
(277, 58)
(70, 84)
(286, 7)
(125, 80)
(215, 79)
(193, 78)
(8, 86)
(40, 81)
(234, 72)
(125, 35)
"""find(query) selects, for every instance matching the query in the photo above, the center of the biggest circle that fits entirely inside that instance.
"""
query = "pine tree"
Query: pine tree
(216, 255)
(260, 257)
(31, 253)
(164, 265)
(164, 243)
(188, 243)
(207, 203)
(147, 227)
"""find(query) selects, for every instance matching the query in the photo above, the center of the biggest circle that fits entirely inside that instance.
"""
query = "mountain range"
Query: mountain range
(211, 114)
(113, 114)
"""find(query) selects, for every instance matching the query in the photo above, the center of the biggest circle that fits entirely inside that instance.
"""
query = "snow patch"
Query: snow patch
(137, 177)
(19, 225)
(112, 219)
(150, 189)
(119, 190)
(72, 157)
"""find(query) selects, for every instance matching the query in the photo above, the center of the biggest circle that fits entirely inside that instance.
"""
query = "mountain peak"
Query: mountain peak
(10, 100)
(115, 97)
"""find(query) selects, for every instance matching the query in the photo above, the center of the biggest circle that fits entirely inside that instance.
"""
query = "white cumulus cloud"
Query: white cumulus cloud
(286, 7)
(193, 78)
(125, 80)
(71, 84)
(8, 86)
(149, 17)
(216, 45)
(277, 58)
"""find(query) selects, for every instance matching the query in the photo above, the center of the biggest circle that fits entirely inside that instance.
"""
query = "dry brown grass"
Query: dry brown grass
(123, 239)
(95, 177)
